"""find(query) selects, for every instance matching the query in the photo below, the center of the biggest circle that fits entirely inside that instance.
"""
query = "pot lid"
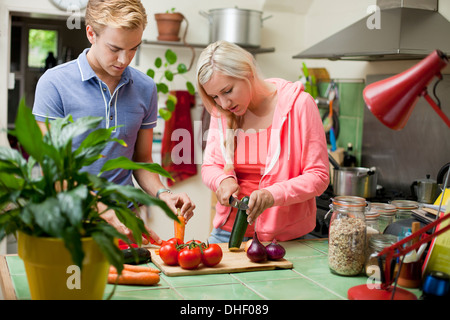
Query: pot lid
(427, 180)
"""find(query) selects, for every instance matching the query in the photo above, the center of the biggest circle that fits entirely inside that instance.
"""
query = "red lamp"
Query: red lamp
(392, 100)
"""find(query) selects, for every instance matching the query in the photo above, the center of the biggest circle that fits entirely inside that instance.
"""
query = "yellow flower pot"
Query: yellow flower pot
(52, 275)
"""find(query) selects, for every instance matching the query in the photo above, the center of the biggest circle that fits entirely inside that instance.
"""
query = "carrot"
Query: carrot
(132, 268)
(180, 227)
(134, 278)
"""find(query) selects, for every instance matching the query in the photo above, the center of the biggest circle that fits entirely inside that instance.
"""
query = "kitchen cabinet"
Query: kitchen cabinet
(309, 279)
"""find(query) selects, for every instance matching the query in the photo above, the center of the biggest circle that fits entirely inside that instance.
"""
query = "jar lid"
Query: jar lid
(405, 204)
(372, 214)
(384, 209)
(349, 201)
(382, 241)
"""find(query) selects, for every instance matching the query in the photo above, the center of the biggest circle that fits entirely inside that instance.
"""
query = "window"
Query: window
(41, 43)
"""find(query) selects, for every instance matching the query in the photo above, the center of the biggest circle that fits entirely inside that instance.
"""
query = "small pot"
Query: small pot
(168, 25)
(355, 181)
(240, 26)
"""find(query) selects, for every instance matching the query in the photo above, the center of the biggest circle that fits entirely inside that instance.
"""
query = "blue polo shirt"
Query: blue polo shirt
(73, 88)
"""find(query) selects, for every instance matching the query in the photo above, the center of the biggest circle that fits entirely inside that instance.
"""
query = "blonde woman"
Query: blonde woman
(265, 141)
(101, 83)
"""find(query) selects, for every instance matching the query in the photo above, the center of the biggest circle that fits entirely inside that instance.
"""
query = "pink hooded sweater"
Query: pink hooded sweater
(296, 171)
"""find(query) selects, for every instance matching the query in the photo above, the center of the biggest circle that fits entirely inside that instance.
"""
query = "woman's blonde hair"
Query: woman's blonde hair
(234, 61)
(228, 59)
(127, 14)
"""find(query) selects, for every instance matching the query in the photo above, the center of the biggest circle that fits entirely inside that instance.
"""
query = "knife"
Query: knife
(237, 203)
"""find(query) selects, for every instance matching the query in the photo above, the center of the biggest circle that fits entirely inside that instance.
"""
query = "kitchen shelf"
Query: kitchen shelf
(252, 50)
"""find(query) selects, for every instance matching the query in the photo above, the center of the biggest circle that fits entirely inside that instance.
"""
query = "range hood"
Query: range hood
(407, 29)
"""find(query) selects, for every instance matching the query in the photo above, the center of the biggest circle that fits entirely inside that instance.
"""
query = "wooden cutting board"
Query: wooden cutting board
(231, 262)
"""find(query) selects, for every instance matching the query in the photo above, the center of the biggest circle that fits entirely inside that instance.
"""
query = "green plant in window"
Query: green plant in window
(169, 69)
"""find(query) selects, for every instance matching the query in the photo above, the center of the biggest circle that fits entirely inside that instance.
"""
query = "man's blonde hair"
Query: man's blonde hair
(127, 14)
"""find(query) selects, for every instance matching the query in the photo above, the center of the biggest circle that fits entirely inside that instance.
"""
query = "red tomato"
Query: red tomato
(194, 241)
(212, 255)
(169, 254)
(175, 241)
(190, 257)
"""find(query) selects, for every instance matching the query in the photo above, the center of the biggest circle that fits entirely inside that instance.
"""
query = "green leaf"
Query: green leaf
(190, 87)
(47, 216)
(171, 56)
(171, 102)
(162, 87)
(165, 114)
(28, 132)
(151, 73)
(12, 162)
(90, 149)
(71, 204)
(127, 164)
(170, 105)
(108, 247)
(169, 75)
(133, 223)
(10, 182)
(73, 243)
(181, 68)
(158, 62)
(72, 130)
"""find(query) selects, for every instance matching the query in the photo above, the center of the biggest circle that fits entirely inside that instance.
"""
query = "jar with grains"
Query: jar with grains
(404, 208)
(376, 244)
(386, 212)
(347, 235)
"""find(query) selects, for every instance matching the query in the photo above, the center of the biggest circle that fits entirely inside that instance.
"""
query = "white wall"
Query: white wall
(295, 25)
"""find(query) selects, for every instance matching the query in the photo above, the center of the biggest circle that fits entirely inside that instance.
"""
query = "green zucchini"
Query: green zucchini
(239, 228)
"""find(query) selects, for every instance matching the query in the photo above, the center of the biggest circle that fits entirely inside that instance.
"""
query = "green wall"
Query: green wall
(349, 105)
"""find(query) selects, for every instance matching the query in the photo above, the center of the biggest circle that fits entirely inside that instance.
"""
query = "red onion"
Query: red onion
(257, 252)
(275, 251)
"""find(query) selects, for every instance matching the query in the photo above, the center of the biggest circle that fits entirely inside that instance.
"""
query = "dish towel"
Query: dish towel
(177, 147)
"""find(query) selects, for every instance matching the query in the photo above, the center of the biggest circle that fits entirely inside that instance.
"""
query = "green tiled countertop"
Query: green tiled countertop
(310, 279)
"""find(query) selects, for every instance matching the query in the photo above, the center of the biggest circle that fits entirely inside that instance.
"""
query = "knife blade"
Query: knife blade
(237, 203)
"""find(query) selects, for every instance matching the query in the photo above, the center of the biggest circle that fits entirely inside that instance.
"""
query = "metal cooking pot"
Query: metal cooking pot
(355, 181)
(240, 26)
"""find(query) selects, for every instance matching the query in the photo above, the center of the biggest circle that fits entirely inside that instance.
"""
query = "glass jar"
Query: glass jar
(404, 208)
(347, 235)
(376, 244)
(387, 214)
(372, 223)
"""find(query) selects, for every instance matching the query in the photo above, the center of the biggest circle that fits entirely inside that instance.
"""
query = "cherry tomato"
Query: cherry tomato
(190, 257)
(169, 254)
(212, 255)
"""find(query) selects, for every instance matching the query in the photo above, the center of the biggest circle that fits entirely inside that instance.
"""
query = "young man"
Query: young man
(100, 83)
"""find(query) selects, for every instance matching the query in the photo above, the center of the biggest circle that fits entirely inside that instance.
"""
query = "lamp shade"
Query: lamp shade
(392, 100)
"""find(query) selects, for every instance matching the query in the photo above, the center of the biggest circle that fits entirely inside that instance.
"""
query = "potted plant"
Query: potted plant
(169, 69)
(168, 25)
(55, 213)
